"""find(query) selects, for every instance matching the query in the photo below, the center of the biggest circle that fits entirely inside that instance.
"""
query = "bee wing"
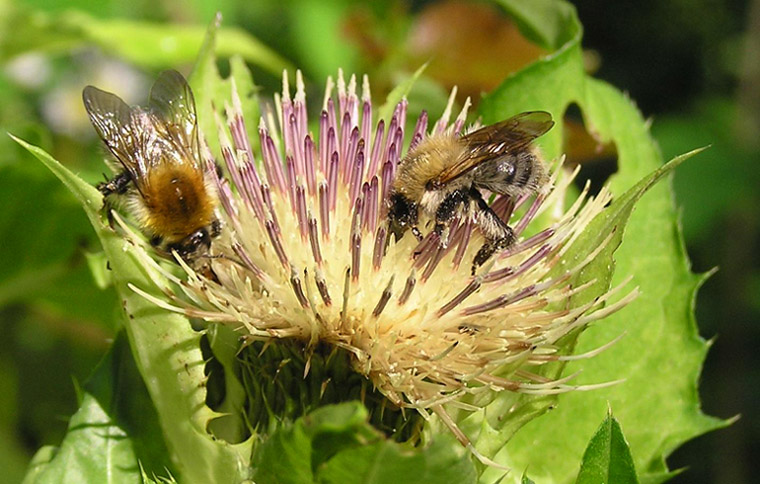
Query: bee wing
(489, 142)
(116, 124)
(172, 101)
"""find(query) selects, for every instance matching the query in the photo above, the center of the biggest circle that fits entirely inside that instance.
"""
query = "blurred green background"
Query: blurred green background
(693, 66)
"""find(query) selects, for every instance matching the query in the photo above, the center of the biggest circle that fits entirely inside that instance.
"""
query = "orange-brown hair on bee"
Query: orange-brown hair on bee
(177, 202)
(160, 177)
(445, 174)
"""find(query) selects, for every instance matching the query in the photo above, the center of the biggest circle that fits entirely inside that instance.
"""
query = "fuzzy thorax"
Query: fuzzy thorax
(424, 163)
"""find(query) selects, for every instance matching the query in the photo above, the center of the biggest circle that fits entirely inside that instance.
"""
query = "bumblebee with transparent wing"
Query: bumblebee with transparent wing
(160, 177)
(444, 173)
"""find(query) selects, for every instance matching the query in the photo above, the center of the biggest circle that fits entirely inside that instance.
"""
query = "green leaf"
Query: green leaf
(113, 435)
(548, 23)
(611, 222)
(318, 34)
(212, 93)
(336, 444)
(606, 228)
(164, 347)
(98, 265)
(224, 343)
(607, 457)
(149, 45)
(661, 356)
(291, 453)
(397, 94)
(28, 193)
(388, 462)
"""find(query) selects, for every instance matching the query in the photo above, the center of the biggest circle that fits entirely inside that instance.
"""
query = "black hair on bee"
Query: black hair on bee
(160, 176)
(445, 173)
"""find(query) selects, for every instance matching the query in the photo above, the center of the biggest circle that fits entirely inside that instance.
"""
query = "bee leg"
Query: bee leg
(117, 184)
(498, 234)
(446, 211)
(193, 250)
(485, 253)
(109, 214)
(188, 248)
(216, 229)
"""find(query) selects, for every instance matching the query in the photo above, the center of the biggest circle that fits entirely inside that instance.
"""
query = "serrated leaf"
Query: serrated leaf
(336, 444)
(659, 325)
(546, 22)
(225, 345)
(607, 457)
(212, 93)
(611, 222)
(110, 438)
(386, 462)
(44, 267)
(290, 454)
(98, 265)
(165, 349)
(606, 228)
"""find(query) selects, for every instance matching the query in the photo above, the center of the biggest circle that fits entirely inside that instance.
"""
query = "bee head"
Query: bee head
(433, 185)
(402, 213)
(194, 245)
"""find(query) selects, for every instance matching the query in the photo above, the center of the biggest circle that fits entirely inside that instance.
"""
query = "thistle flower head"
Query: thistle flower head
(305, 255)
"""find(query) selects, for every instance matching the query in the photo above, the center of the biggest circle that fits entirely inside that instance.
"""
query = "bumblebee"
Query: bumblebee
(160, 177)
(444, 174)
